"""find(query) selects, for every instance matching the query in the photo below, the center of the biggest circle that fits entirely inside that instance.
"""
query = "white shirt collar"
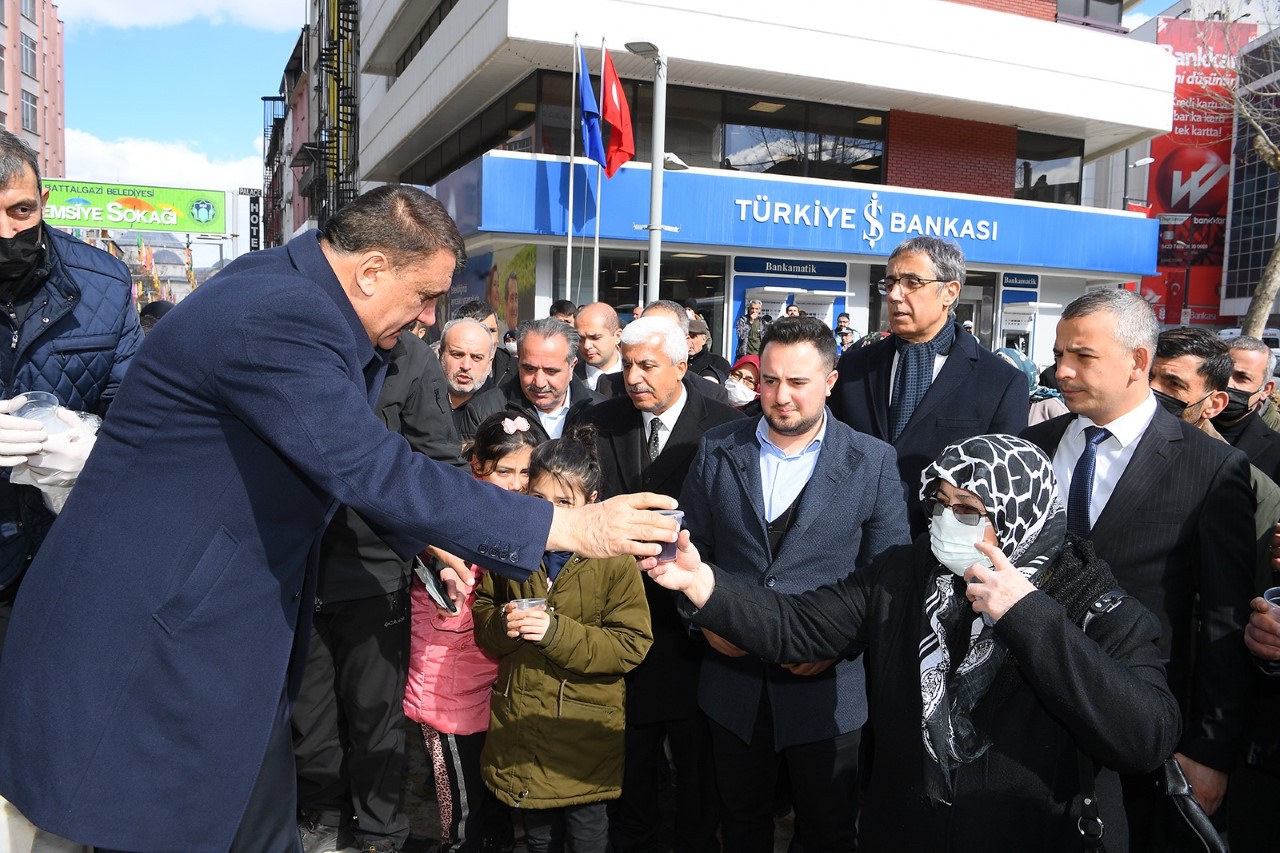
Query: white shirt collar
(1127, 428)
(670, 416)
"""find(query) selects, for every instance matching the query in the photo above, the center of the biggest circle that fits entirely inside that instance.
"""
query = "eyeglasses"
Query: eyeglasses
(964, 513)
(743, 377)
(910, 283)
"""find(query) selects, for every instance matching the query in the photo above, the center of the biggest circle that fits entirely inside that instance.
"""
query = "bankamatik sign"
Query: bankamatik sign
(133, 207)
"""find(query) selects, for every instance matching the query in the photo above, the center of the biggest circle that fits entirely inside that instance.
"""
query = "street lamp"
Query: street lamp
(1186, 279)
(648, 50)
(1124, 192)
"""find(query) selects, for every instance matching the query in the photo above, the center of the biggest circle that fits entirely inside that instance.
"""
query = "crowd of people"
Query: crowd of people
(923, 596)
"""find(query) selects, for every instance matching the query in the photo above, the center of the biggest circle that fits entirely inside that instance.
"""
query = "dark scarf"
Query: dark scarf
(915, 375)
(1014, 480)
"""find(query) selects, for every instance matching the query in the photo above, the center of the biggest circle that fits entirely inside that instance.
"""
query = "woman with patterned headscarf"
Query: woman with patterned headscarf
(1007, 676)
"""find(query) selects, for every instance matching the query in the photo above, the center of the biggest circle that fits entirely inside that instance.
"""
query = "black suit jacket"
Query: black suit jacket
(665, 685)
(1262, 445)
(975, 393)
(1178, 534)
(608, 386)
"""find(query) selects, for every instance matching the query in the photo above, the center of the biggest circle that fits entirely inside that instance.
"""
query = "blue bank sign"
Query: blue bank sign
(528, 195)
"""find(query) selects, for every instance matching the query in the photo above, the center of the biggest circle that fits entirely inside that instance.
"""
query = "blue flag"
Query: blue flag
(592, 142)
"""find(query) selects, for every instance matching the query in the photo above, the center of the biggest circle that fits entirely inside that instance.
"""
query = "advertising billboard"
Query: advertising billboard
(1188, 182)
(135, 207)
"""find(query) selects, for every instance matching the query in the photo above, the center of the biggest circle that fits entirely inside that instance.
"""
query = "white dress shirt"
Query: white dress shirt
(594, 373)
(667, 419)
(553, 421)
(1113, 454)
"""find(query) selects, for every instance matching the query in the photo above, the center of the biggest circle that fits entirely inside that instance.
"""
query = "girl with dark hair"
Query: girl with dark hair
(450, 676)
(566, 636)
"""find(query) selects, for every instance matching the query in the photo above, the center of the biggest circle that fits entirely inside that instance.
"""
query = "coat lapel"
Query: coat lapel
(1145, 471)
(682, 443)
(744, 457)
(832, 474)
(628, 448)
(880, 367)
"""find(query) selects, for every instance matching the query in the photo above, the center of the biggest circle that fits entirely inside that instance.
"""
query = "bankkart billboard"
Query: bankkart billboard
(134, 207)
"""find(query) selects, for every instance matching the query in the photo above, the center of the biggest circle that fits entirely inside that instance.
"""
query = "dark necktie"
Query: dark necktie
(1082, 482)
(654, 426)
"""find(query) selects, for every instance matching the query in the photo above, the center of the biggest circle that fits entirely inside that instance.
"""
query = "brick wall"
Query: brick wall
(952, 155)
(1046, 10)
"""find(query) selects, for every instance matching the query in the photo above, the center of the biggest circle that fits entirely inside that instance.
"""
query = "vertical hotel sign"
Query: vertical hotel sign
(1191, 174)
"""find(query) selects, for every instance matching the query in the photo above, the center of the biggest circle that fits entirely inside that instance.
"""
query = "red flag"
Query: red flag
(616, 113)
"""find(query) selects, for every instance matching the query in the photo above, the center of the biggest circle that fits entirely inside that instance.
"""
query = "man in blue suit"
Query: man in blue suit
(930, 383)
(792, 500)
(157, 640)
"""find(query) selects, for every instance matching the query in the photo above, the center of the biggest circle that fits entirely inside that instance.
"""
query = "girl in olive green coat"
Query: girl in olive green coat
(555, 743)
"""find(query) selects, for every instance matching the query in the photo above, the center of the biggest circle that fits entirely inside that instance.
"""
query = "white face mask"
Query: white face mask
(739, 394)
(952, 541)
(510, 347)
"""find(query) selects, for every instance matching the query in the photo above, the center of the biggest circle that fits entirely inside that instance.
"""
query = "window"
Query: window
(29, 120)
(2, 68)
(29, 9)
(28, 55)
(1092, 13)
(4, 120)
(1048, 168)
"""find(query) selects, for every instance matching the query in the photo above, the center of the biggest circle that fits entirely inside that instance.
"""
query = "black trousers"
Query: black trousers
(636, 820)
(585, 828)
(824, 787)
(348, 720)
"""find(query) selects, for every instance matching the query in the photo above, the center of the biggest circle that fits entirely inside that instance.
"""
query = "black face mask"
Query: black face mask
(1237, 408)
(1173, 405)
(20, 253)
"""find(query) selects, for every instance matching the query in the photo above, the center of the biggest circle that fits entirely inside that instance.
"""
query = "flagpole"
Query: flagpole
(595, 269)
(573, 132)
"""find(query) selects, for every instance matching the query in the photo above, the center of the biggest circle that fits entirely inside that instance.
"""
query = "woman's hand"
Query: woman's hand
(530, 624)
(994, 591)
(686, 573)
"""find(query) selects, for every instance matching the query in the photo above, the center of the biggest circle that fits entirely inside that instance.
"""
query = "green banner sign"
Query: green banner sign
(133, 207)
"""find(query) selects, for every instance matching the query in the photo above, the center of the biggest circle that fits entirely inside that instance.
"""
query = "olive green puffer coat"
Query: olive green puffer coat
(556, 715)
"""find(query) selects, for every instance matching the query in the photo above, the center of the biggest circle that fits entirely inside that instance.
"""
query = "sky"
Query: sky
(170, 93)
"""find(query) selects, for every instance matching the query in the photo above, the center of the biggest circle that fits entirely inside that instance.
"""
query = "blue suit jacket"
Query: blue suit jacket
(153, 636)
(852, 509)
(975, 393)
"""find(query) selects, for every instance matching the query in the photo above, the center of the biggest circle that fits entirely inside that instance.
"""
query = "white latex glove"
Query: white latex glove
(19, 438)
(62, 457)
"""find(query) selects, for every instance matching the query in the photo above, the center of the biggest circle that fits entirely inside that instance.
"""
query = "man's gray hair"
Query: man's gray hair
(674, 342)
(15, 154)
(677, 311)
(468, 321)
(1251, 344)
(1136, 324)
(550, 327)
(946, 257)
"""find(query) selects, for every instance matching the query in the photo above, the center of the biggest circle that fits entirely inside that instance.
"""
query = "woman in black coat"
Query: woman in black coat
(990, 693)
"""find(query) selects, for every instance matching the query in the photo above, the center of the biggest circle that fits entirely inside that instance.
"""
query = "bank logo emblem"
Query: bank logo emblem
(203, 211)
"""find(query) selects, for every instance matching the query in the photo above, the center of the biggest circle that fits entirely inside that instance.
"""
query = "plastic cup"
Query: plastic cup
(41, 407)
(669, 548)
(530, 603)
(1272, 597)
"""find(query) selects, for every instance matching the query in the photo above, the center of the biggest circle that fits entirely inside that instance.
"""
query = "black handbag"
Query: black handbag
(1187, 825)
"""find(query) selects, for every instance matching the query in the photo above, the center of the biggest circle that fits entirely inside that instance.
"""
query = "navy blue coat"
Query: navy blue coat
(76, 343)
(851, 510)
(975, 393)
(153, 636)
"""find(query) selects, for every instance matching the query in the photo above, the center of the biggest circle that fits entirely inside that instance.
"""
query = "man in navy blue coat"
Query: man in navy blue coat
(158, 638)
(791, 500)
(930, 383)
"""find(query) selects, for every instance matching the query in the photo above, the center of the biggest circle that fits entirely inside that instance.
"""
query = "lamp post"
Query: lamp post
(1187, 252)
(648, 50)
(1124, 192)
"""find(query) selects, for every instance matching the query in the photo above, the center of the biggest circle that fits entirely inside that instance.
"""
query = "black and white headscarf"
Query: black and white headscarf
(1014, 479)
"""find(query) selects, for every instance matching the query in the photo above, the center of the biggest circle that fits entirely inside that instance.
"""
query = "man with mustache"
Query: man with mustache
(466, 355)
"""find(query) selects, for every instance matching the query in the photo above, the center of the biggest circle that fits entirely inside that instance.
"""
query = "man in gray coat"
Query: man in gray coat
(770, 499)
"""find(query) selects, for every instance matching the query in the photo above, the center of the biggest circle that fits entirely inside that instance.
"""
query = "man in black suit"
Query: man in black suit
(662, 693)
(675, 313)
(597, 325)
(1171, 510)
(929, 384)
(544, 388)
(1240, 423)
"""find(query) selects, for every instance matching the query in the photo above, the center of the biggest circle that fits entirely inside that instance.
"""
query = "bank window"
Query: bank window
(848, 144)
(766, 135)
(1048, 168)
(29, 9)
(29, 104)
(28, 55)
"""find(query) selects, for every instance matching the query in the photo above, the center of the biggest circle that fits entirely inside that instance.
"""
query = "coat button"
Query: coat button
(484, 550)
(505, 554)
(770, 581)
(515, 556)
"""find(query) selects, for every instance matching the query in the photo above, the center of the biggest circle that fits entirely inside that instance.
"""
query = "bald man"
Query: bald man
(600, 331)
(466, 355)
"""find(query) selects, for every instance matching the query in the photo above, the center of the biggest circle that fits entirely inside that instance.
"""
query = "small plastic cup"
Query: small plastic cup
(41, 407)
(530, 603)
(669, 548)
(1272, 597)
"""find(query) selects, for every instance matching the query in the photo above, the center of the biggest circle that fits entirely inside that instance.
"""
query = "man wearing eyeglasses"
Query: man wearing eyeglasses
(929, 384)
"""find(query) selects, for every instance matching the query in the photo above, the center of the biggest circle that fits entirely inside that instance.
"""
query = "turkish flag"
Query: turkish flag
(616, 113)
